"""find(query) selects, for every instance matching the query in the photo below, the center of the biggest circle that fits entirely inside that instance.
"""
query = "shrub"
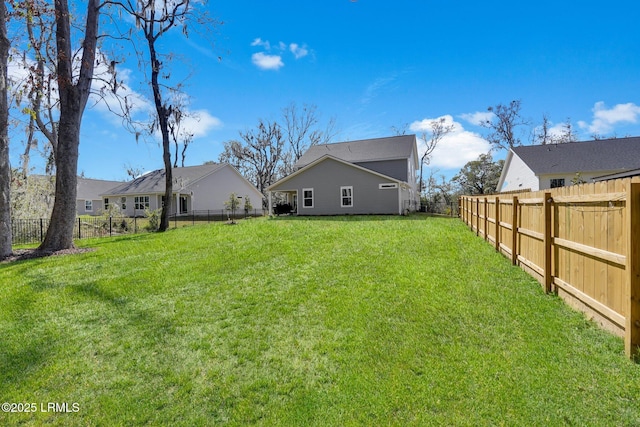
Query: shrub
(154, 219)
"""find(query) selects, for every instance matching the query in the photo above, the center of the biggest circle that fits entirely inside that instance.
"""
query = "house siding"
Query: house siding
(545, 180)
(519, 177)
(97, 206)
(397, 169)
(328, 176)
(210, 194)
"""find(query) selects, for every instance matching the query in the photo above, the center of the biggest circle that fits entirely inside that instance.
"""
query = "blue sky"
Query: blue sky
(375, 64)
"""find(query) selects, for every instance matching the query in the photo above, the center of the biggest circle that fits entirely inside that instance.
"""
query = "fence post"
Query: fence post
(41, 231)
(79, 233)
(193, 217)
(110, 226)
(514, 232)
(547, 241)
(486, 221)
(497, 223)
(477, 216)
(632, 272)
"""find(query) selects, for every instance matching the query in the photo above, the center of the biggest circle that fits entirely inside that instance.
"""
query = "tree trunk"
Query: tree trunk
(60, 232)
(163, 122)
(73, 99)
(5, 167)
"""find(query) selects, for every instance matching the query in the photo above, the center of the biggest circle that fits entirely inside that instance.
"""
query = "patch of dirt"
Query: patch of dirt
(22, 254)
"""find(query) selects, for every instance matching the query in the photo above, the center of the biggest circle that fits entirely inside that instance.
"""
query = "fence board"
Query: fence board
(581, 241)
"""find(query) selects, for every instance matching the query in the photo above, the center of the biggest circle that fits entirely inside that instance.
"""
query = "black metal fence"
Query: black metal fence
(28, 231)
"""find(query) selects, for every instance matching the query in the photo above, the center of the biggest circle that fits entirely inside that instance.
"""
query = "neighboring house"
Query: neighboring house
(372, 176)
(88, 199)
(195, 188)
(538, 167)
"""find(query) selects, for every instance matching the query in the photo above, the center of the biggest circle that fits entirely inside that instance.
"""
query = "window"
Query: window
(387, 186)
(141, 203)
(88, 205)
(307, 197)
(123, 203)
(346, 197)
(106, 203)
(557, 182)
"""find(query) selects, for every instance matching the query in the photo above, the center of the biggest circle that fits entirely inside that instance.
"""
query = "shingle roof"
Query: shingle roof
(89, 189)
(601, 155)
(367, 150)
(153, 182)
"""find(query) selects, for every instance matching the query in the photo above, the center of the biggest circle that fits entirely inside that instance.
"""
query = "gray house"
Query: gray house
(372, 176)
(538, 167)
(195, 188)
(88, 199)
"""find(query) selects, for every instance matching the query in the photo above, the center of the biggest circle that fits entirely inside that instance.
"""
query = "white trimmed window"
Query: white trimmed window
(123, 203)
(106, 203)
(346, 197)
(88, 205)
(307, 197)
(141, 203)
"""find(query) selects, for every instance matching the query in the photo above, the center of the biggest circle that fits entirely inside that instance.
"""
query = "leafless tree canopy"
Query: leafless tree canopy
(503, 127)
(438, 130)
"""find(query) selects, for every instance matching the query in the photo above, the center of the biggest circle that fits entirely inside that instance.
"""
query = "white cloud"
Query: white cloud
(605, 118)
(456, 148)
(267, 62)
(200, 123)
(259, 42)
(478, 117)
(298, 51)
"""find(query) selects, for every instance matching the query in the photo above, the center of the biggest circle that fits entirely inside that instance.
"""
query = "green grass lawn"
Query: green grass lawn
(333, 321)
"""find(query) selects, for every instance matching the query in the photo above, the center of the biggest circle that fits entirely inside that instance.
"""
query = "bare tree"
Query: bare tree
(542, 135)
(302, 131)
(400, 130)
(545, 135)
(567, 134)
(438, 129)
(155, 18)
(74, 92)
(179, 134)
(259, 155)
(36, 96)
(503, 126)
(5, 167)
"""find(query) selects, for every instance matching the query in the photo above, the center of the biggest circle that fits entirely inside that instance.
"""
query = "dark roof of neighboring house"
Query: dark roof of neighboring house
(154, 181)
(618, 154)
(89, 189)
(367, 150)
(625, 174)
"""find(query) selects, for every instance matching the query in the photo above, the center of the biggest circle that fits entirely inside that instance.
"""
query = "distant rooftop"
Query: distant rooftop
(366, 150)
(154, 181)
(618, 154)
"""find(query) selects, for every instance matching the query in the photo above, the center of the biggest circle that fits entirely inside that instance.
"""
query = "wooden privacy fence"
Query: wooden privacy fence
(581, 242)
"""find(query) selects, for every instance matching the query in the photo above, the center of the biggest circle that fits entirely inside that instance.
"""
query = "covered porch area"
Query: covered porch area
(283, 202)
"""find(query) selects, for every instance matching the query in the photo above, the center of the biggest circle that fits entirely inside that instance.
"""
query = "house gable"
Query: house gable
(535, 166)
(333, 186)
